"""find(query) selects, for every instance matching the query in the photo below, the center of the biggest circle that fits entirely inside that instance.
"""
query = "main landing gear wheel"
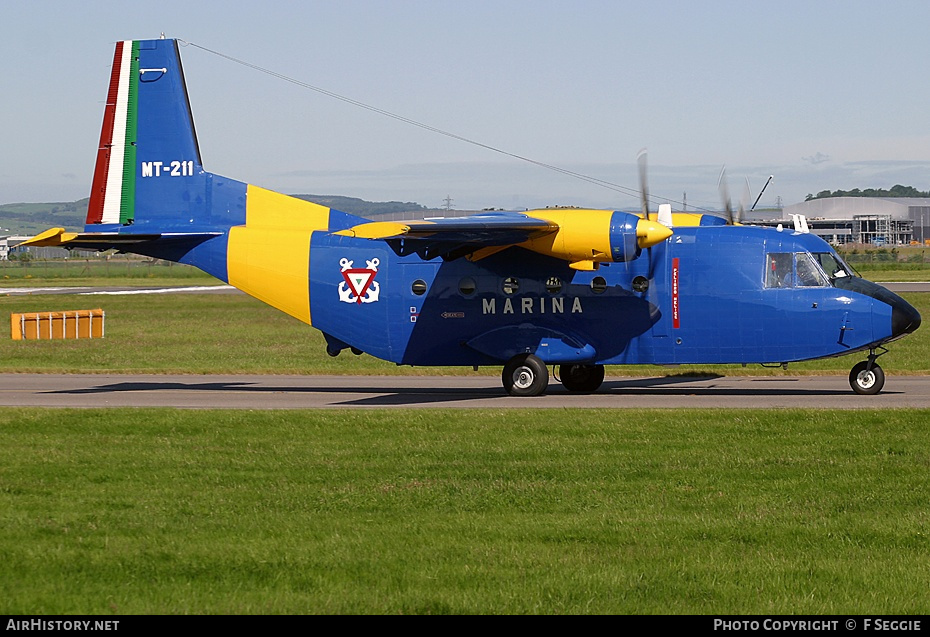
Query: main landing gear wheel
(866, 381)
(581, 378)
(525, 375)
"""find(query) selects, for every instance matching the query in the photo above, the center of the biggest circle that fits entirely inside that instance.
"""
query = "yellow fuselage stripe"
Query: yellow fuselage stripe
(269, 257)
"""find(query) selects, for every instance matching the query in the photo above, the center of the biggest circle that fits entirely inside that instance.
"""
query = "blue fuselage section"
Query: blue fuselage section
(705, 295)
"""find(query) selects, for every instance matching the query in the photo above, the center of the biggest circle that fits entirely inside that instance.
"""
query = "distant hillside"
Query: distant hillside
(896, 191)
(361, 207)
(32, 218)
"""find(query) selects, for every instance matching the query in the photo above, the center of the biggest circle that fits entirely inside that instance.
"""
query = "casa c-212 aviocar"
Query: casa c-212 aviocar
(576, 288)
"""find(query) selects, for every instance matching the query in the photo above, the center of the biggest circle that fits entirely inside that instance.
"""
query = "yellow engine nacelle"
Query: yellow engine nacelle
(586, 238)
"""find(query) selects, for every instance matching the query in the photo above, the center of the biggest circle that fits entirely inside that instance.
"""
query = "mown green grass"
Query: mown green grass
(887, 276)
(98, 272)
(232, 333)
(180, 333)
(449, 511)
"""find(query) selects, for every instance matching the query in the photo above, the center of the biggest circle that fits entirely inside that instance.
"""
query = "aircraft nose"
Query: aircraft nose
(904, 318)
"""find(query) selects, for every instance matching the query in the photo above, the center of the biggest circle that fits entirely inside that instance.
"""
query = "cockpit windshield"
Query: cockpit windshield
(808, 274)
(804, 269)
(833, 265)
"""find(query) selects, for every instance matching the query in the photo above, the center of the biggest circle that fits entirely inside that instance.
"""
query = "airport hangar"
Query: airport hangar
(880, 221)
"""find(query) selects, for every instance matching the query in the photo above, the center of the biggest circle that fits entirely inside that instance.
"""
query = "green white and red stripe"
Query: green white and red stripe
(112, 197)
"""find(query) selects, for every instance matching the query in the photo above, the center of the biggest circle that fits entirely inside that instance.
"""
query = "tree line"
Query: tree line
(895, 191)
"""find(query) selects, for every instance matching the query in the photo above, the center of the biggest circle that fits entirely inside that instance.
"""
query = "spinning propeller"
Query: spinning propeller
(733, 219)
(663, 217)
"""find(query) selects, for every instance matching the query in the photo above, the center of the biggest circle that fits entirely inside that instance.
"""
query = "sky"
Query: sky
(822, 94)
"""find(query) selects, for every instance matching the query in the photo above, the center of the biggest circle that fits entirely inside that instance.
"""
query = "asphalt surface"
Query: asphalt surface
(324, 392)
(908, 286)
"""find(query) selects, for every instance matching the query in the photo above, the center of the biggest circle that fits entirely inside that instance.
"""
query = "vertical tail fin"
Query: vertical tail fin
(148, 160)
(152, 196)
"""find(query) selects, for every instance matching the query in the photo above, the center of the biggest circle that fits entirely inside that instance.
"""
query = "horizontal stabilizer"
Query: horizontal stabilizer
(60, 238)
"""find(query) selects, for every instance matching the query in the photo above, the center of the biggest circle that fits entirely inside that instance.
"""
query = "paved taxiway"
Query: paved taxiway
(320, 392)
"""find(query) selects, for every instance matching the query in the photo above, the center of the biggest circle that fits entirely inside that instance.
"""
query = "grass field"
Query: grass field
(99, 272)
(902, 273)
(163, 511)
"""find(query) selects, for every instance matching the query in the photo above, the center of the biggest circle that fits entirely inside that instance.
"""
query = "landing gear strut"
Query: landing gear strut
(525, 375)
(867, 377)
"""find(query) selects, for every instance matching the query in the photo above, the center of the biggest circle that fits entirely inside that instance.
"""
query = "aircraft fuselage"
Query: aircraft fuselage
(708, 298)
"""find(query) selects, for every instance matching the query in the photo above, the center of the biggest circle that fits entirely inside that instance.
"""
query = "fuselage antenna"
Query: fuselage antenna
(771, 177)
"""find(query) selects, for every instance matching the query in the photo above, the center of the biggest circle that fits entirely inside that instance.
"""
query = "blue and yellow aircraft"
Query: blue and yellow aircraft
(575, 288)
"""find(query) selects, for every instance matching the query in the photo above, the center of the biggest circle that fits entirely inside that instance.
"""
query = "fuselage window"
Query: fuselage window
(809, 275)
(467, 286)
(598, 284)
(418, 287)
(553, 285)
(511, 285)
(778, 268)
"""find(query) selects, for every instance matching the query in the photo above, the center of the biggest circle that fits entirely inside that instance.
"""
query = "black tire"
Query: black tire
(525, 375)
(865, 381)
(581, 378)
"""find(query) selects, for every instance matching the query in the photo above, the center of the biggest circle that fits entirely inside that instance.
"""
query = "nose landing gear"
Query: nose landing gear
(867, 377)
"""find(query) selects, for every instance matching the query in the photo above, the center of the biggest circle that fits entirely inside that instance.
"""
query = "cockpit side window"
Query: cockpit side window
(778, 267)
(809, 275)
(832, 265)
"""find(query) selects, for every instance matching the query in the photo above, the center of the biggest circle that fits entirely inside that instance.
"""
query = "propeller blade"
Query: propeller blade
(655, 233)
(725, 194)
(643, 185)
(743, 200)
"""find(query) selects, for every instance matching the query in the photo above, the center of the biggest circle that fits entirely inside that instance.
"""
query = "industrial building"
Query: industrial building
(869, 220)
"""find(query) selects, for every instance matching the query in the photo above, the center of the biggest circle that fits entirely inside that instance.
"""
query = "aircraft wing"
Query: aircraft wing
(454, 236)
(582, 237)
(497, 228)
